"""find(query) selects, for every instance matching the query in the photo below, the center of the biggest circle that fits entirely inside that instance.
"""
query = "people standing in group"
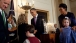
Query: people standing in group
(70, 15)
(37, 22)
(12, 29)
(64, 13)
(4, 35)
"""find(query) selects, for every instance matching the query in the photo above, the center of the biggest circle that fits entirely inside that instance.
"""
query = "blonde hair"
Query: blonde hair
(22, 19)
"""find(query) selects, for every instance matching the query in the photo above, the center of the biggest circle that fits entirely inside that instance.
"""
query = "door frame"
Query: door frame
(44, 11)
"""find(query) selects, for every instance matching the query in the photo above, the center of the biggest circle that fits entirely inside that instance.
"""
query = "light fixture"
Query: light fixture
(25, 4)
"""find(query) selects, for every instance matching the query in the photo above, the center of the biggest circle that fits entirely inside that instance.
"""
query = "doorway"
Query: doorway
(44, 14)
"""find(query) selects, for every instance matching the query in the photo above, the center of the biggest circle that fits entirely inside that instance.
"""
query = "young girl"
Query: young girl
(65, 35)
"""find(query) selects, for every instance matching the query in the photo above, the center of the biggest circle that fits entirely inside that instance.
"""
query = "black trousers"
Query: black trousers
(3, 40)
(15, 41)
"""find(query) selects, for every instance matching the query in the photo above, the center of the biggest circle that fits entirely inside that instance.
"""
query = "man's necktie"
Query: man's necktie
(4, 19)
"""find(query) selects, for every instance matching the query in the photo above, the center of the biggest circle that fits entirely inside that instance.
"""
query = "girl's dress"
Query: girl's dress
(73, 36)
(65, 35)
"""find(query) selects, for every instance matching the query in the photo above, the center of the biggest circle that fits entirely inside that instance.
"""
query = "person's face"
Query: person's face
(10, 18)
(27, 33)
(33, 13)
(55, 25)
(66, 23)
(62, 10)
(4, 4)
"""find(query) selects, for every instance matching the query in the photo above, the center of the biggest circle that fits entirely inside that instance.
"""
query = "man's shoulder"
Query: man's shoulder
(32, 18)
(40, 17)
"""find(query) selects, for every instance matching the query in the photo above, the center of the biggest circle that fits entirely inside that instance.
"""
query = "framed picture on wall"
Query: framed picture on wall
(44, 14)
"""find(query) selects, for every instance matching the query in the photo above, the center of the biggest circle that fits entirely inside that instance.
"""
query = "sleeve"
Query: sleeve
(73, 20)
(7, 37)
(31, 21)
(7, 34)
(74, 35)
(26, 41)
(39, 41)
(61, 37)
(59, 19)
(42, 26)
(13, 23)
(9, 26)
(58, 31)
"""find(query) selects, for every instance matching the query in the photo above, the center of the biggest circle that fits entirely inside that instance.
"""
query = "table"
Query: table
(47, 38)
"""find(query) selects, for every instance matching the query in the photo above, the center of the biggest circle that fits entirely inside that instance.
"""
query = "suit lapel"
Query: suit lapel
(1, 18)
(33, 21)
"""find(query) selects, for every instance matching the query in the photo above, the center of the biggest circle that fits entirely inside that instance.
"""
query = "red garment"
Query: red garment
(33, 40)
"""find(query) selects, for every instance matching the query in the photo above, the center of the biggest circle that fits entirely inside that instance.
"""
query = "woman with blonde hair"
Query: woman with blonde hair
(22, 23)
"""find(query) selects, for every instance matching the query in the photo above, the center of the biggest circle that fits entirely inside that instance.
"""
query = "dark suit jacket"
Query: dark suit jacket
(39, 25)
(3, 30)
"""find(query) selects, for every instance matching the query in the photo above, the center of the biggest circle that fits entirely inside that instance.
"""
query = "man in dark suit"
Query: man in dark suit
(37, 22)
(4, 37)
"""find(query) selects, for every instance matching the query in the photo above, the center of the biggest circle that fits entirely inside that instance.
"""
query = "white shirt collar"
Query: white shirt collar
(1, 10)
(31, 35)
(36, 15)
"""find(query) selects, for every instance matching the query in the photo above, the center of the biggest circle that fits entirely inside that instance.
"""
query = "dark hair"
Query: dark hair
(9, 15)
(32, 9)
(12, 12)
(63, 6)
(30, 28)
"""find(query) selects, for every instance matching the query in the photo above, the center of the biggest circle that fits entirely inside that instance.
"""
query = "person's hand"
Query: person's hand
(7, 42)
(74, 28)
(60, 29)
(9, 29)
(35, 31)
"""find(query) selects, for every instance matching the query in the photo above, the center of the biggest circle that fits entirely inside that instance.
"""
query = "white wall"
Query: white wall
(73, 7)
(48, 5)
(39, 4)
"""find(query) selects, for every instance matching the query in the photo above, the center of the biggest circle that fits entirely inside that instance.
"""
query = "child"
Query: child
(65, 35)
(30, 34)
(57, 34)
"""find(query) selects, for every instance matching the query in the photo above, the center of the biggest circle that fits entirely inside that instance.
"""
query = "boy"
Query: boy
(30, 34)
